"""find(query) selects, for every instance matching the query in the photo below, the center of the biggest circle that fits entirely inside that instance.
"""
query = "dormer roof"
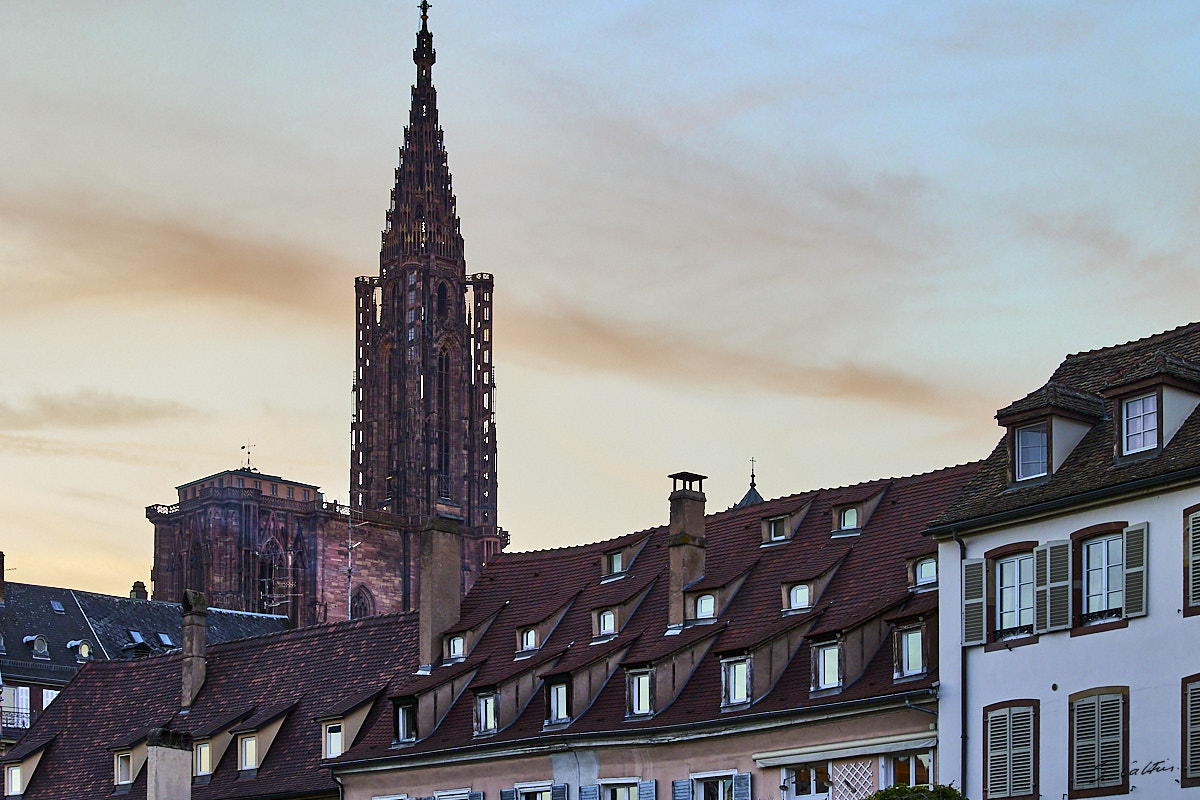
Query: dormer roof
(1091, 470)
(1054, 396)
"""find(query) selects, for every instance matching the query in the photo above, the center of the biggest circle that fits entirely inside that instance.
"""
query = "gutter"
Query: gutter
(1048, 507)
(665, 735)
(962, 678)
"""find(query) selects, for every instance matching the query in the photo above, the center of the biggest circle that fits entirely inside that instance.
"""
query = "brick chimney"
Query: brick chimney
(441, 584)
(685, 539)
(138, 592)
(195, 628)
(168, 765)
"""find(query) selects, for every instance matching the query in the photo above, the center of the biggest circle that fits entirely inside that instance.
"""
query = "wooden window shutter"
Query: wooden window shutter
(997, 778)
(589, 792)
(1052, 587)
(741, 786)
(508, 794)
(974, 601)
(681, 789)
(1111, 738)
(1020, 748)
(558, 791)
(1085, 748)
(1194, 560)
(1136, 558)
(1191, 721)
(645, 790)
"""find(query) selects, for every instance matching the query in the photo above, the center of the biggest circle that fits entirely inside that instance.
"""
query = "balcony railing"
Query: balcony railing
(14, 719)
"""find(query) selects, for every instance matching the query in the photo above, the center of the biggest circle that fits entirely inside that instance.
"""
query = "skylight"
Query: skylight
(136, 636)
(166, 640)
(58, 607)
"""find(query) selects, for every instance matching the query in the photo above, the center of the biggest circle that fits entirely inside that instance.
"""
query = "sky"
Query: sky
(832, 237)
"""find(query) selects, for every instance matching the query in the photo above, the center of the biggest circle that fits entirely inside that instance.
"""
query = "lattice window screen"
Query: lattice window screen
(852, 780)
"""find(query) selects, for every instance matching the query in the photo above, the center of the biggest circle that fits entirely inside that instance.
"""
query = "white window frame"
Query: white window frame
(735, 680)
(1022, 609)
(485, 713)
(918, 579)
(614, 562)
(333, 733)
(905, 665)
(792, 603)
(1037, 464)
(641, 703)
(611, 788)
(558, 702)
(706, 606)
(12, 780)
(610, 615)
(247, 745)
(406, 713)
(1147, 421)
(845, 523)
(777, 529)
(529, 639)
(123, 768)
(724, 776)
(826, 655)
(1102, 575)
(533, 790)
(888, 768)
(456, 646)
(790, 780)
(202, 759)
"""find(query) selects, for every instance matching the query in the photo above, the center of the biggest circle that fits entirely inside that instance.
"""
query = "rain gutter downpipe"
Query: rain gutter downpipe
(962, 675)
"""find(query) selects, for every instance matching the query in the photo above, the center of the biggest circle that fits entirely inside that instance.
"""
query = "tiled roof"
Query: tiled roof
(1091, 466)
(1056, 395)
(299, 674)
(871, 580)
(306, 673)
(105, 622)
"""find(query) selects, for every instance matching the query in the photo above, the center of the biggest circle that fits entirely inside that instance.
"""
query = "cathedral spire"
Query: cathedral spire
(422, 220)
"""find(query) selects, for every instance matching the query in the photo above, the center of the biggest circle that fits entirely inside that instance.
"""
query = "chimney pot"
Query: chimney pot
(138, 592)
(441, 581)
(685, 538)
(194, 609)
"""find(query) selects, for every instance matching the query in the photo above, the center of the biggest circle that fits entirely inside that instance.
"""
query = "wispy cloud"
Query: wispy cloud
(87, 408)
(574, 339)
(126, 256)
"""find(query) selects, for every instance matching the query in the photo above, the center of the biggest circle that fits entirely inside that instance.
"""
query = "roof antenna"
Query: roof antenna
(248, 447)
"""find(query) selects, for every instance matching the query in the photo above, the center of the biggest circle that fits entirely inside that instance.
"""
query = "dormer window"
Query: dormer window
(639, 688)
(736, 680)
(406, 722)
(777, 529)
(925, 572)
(248, 752)
(614, 563)
(848, 518)
(485, 713)
(455, 647)
(1139, 424)
(333, 739)
(203, 758)
(83, 650)
(557, 703)
(606, 622)
(123, 767)
(529, 639)
(799, 596)
(1031, 451)
(910, 653)
(827, 669)
(12, 780)
(41, 647)
(706, 606)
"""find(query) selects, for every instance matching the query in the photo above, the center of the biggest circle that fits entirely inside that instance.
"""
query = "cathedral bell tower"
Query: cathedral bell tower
(423, 436)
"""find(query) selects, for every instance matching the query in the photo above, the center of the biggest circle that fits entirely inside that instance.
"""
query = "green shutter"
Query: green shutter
(997, 778)
(1052, 587)
(1135, 555)
(1020, 743)
(1191, 721)
(974, 600)
(1194, 560)
(1085, 771)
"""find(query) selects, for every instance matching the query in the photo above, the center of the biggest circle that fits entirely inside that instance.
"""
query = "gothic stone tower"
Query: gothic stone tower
(423, 436)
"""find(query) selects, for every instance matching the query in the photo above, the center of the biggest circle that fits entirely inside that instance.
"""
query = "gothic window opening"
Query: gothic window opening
(197, 576)
(362, 604)
(443, 423)
(270, 571)
(442, 308)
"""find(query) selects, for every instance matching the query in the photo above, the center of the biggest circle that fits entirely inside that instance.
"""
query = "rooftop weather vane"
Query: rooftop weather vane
(248, 447)
(752, 462)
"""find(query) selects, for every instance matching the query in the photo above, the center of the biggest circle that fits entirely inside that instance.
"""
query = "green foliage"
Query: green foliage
(918, 793)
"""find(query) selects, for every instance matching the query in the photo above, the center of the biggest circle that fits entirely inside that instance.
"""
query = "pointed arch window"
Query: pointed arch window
(362, 604)
(270, 571)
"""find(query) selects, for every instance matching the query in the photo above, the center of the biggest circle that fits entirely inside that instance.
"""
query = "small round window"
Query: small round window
(40, 645)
